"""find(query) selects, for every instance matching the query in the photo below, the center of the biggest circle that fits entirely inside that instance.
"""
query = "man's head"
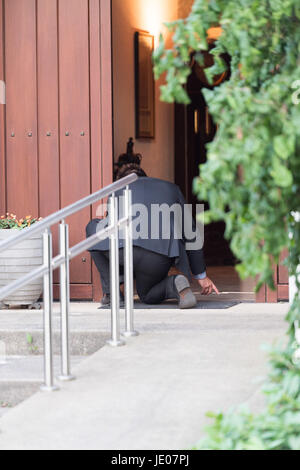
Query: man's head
(129, 163)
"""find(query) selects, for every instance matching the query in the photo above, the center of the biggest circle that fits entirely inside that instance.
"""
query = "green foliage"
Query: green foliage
(29, 339)
(276, 428)
(10, 221)
(30, 342)
(252, 176)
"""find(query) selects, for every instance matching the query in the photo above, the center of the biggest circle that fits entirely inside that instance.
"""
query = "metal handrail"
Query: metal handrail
(63, 260)
(52, 219)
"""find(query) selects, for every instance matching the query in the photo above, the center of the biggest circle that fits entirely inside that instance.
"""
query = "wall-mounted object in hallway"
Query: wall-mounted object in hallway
(144, 86)
(207, 60)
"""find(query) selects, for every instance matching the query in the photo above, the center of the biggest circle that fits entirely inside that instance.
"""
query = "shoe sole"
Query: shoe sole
(122, 305)
(189, 300)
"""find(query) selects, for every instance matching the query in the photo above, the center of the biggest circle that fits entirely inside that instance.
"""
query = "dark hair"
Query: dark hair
(127, 169)
(129, 162)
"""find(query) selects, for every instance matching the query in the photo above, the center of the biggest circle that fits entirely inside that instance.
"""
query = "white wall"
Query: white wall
(129, 16)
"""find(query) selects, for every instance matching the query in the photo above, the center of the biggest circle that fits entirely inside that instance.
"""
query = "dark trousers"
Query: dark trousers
(150, 271)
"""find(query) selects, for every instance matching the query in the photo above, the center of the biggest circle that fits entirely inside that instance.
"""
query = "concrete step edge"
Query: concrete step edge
(82, 343)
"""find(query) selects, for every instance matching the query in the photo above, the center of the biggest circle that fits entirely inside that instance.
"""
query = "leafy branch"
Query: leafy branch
(252, 175)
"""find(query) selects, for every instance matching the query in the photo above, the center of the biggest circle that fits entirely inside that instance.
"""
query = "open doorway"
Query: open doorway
(181, 133)
(194, 129)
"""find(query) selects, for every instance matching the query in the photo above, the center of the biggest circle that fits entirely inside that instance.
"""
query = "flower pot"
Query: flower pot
(16, 262)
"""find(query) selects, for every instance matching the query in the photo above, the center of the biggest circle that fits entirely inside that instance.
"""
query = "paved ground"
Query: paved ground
(153, 393)
(29, 368)
(4, 408)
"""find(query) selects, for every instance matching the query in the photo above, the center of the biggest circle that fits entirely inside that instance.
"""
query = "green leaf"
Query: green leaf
(284, 146)
(251, 179)
(29, 339)
(281, 174)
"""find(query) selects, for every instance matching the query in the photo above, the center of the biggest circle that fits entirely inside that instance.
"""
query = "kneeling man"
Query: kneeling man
(155, 254)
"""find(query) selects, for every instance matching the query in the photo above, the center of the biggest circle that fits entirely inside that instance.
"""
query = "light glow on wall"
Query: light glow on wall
(155, 15)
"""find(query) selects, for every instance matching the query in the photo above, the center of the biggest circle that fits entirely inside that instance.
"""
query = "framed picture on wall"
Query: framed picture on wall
(144, 86)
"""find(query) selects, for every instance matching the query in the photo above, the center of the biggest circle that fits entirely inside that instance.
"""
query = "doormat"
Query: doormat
(172, 305)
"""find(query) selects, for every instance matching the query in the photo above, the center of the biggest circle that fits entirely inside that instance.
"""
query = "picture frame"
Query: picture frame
(144, 85)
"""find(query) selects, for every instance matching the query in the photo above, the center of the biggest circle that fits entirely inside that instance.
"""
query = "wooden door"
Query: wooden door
(74, 130)
(2, 118)
(21, 107)
(57, 68)
(281, 281)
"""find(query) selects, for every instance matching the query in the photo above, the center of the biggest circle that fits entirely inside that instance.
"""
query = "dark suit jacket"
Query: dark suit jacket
(149, 191)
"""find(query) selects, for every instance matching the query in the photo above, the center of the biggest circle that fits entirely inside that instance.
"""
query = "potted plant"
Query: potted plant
(19, 260)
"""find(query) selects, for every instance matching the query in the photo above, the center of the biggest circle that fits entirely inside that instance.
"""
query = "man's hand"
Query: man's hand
(207, 286)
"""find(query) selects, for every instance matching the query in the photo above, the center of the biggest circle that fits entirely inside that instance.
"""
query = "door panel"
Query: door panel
(48, 107)
(100, 86)
(58, 73)
(106, 91)
(96, 134)
(2, 119)
(21, 109)
(281, 280)
(74, 121)
(283, 273)
(48, 139)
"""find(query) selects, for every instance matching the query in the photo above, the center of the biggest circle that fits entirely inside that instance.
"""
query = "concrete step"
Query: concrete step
(4, 408)
(21, 331)
(153, 393)
(30, 342)
(22, 376)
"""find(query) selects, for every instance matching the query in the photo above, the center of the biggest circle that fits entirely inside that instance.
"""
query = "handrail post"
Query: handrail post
(114, 275)
(128, 258)
(48, 305)
(65, 303)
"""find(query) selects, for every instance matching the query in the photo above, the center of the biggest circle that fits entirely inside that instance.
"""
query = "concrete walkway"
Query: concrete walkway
(153, 393)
